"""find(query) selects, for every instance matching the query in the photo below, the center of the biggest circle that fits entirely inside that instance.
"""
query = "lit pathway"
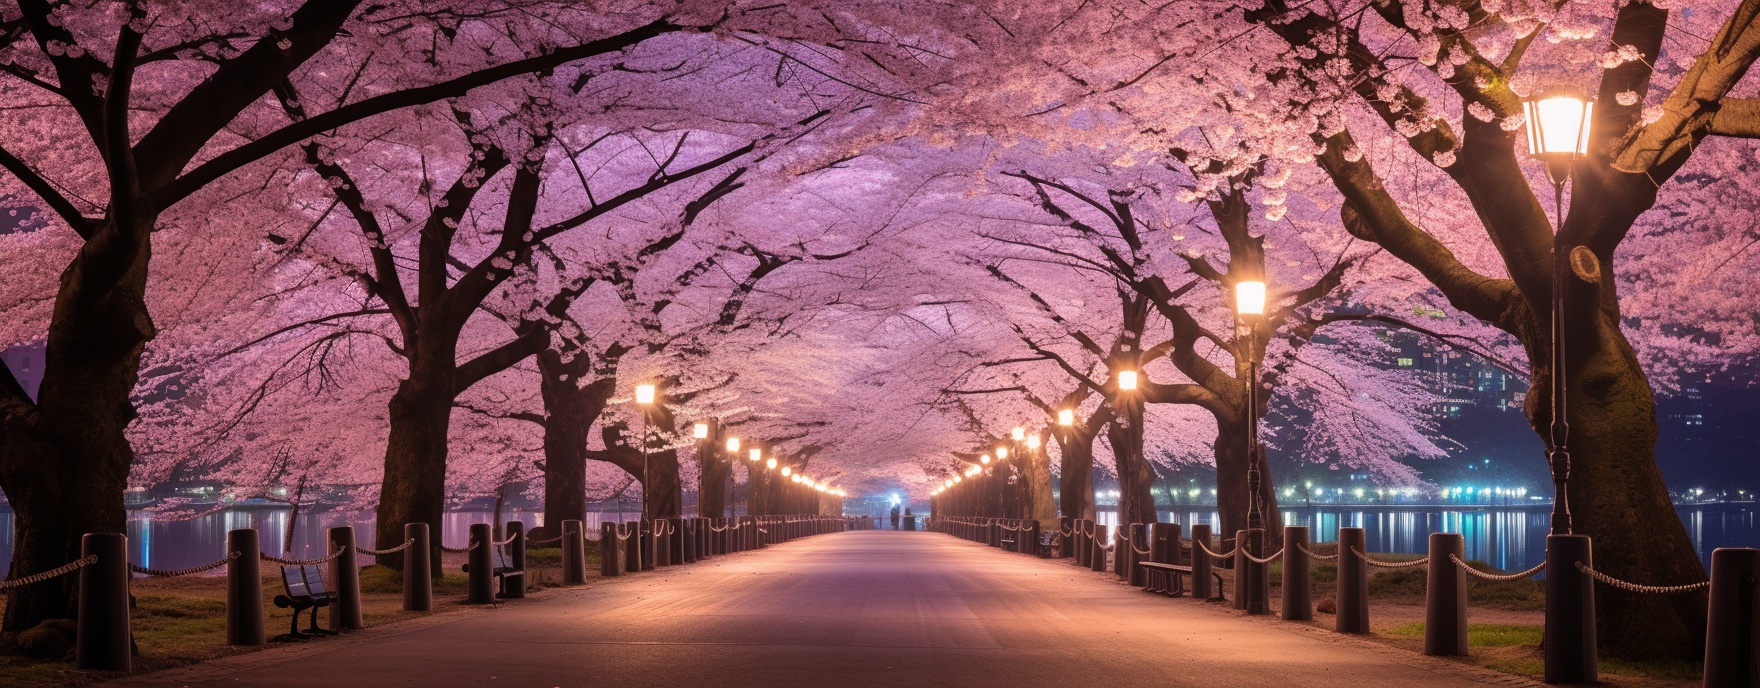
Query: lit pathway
(851, 609)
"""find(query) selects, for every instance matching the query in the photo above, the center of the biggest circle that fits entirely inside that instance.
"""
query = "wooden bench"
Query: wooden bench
(503, 569)
(1169, 579)
(1046, 540)
(305, 590)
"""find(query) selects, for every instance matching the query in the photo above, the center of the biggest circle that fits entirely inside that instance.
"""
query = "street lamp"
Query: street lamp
(1249, 306)
(1066, 417)
(1033, 441)
(700, 431)
(1558, 125)
(1002, 452)
(644, 399)
(985, 459)
(1019, 433)
(1127, 379)
(770, 464)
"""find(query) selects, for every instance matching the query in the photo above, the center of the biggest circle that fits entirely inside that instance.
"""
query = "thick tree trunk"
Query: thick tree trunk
(662, 491)
(64, 460)
(1076, 477)
(414, 486)
(716, 472)
(1231, 485)
(1040, 506)
(1618, 498)
(570, 412)
(1136, 503)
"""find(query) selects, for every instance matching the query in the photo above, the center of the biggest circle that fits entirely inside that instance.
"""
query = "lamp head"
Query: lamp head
(644, 394)
(1066, 417)
(1019, 433)
(1033, 441)
(757, 453)
(1558, 124)
(1249, 297)
(771, 464)
(786, 470)
(1127, 379)
(700, 431)
(985, 459)
(733, 444)
(1002, 452)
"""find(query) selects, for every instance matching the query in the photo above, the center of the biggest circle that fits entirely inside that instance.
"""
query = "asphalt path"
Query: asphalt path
(865, 608)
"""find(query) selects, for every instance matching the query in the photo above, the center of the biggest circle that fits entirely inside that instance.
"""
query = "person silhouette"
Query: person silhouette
(910, 522)
(895, 517)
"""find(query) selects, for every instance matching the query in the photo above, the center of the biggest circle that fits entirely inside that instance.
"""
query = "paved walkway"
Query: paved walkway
(867, 608)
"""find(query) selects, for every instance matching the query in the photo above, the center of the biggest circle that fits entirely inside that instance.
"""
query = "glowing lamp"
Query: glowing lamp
(757, 453)
(644, 394)
(700, 431)
(732, 444)
(1002, 452)
(1066, 417)
(785, 470)
(985, 459)
(769, 464)
(1558, 124)
(1127, 379)
(957, 479)
(1249, 297)
(1033, 442)
(1019, 433)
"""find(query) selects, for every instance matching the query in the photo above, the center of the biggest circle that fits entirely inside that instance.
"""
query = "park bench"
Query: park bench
(1047, 541)
(1169, 579)
(305, 590)
(503, 569)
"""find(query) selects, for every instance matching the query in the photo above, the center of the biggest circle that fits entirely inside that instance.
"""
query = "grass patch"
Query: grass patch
(1407, 585)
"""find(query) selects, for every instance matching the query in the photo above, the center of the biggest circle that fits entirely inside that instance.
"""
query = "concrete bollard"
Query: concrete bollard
(574, 552)
(1097, 557)
(1353, 582)
(632, 546)
(1139, 533)
(1203, 584)
(418, 571)
(244, 589)
(1066, 545)
(345, 580)
(1258, 575)
(514, 587)
(1732, 631)
(677, 534)
(662, 529)
(103, 641)
(1298, 579)
(1569, 638)
(612, 552)
(481, 585)
(648, 539)
(1079, 547)
(1445, 606)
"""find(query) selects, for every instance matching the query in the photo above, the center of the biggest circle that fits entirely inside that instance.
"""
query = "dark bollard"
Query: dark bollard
(1164, 543)
(574, 552)
(514, 587)
(103, 641)
(1097, 558)
(1243, 579)
(676, 536)
(687, 540)
(1066, 544)
(345, 580)
(1121, 550)
(1353, 582)
(1445, 607)
(612, 552)
(244, 589)
(1079, 548)
(481, 586)
(418, 572)
(1203, 584)
(1139, 533)
(1569, 639)
(1298, 581)
(650, 540)
(1732, 631)
(1257, 575)
(662, 529)
(1031, 533)
(632, 546)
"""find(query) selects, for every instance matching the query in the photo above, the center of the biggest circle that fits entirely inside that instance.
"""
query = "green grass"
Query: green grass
(1481, 635)
(1407, 585)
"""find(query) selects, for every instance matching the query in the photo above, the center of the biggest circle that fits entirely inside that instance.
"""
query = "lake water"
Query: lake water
(1510, 538)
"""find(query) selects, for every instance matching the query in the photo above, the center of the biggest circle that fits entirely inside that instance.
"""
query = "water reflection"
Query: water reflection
(176, 544)
(1507, 538)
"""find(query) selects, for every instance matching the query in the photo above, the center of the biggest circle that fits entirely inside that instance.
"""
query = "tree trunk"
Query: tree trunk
(662, 492)
(414, 487)
(1231, 484)
(1136, 503)
(570, 412)
(1618, 498)
(715, 473)
(1076, 479)
(1040, 506)
(64, 460)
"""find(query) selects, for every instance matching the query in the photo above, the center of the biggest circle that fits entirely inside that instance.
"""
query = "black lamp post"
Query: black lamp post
(1558, 126)
(1249, 305)
(644, 400)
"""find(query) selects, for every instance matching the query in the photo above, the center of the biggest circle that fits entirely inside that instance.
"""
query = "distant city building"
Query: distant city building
(26, 364)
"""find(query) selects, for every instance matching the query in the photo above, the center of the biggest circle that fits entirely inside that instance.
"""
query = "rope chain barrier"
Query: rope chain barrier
(1629, 586)
(504, 543)
(303, 562)
(1321, 557)
(458, 550)
(1206, 549)
(377, 552)
(1268, 559)
(1390, 564)
(545, 541)
(173, 573)
(1476, 573)
(56, 572)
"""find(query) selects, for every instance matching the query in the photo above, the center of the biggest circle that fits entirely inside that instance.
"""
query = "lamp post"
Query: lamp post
(644, 400)
(700, 432)
(1249, 306)
(1558, 126)
(732, 447)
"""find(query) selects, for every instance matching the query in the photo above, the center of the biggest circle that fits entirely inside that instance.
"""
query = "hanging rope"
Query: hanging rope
(303, 562)
(377, 552)
(504, 543)
(1635, 587)
(458, 550)
(1390, 564)
(1493, 576)
(56, 572)
(1266, 560)
(1206, 548)
(173, 573)
(1321, 557)
(545, 541)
